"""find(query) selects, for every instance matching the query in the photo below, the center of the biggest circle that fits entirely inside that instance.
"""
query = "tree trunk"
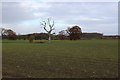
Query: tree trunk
(49, 39)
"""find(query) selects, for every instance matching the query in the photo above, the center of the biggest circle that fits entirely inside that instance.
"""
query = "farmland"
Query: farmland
(60, 59)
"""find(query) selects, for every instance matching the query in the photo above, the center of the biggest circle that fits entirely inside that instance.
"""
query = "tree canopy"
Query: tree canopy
(74, 32)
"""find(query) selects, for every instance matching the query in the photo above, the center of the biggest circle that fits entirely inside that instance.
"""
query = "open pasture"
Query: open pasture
(60, 59)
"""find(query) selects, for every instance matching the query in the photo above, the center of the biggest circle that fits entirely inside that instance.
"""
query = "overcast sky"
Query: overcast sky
(25, 17)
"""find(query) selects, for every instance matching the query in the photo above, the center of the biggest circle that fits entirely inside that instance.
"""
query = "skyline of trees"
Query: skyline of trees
(63, 35)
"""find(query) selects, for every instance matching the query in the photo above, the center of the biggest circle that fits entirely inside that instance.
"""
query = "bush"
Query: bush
(31, 38)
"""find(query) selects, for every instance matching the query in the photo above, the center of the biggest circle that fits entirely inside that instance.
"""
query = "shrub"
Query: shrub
(31, 38)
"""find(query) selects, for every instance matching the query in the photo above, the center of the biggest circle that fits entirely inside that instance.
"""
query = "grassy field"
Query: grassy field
(60, 59)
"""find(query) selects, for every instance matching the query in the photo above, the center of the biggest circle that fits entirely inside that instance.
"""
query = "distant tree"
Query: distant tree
(63, 32)
(11, 34)
(3, 31)
(40, 36)
(48, 27)
(63, 35)
(31, 38)
(8, 33)
(74, 32)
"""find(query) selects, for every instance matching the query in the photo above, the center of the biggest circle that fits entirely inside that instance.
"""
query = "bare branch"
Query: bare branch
(44, 24)
(49, 22)
(50, 25)
(53, 24)
(46, 29)
(53, 28)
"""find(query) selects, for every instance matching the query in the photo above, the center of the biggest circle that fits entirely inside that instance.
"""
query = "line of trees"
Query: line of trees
(63, 35)
(71, 33)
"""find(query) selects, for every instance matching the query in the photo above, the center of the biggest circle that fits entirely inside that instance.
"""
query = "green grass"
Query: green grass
(60, 59)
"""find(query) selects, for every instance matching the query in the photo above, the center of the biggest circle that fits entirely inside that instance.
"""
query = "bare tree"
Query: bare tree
(48, 27)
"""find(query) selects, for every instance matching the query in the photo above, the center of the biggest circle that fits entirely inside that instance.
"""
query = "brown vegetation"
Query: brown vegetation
(40, 42)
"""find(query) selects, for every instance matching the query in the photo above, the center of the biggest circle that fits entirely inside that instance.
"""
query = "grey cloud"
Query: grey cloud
(97, 15)
(67, 12)
(12, 13)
